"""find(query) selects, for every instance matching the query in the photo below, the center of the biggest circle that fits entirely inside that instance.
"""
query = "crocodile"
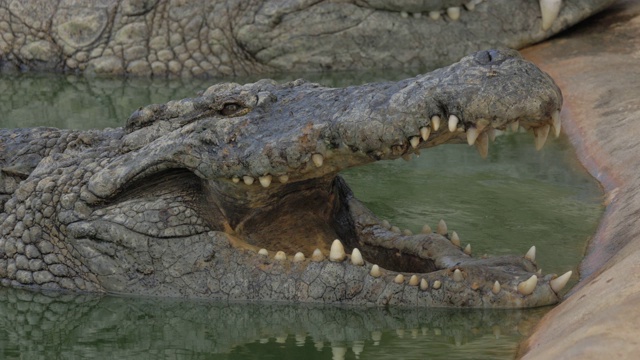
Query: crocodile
(223, 38)
(235, 194)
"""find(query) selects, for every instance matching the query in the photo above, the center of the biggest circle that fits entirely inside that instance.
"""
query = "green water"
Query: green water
(515, 198)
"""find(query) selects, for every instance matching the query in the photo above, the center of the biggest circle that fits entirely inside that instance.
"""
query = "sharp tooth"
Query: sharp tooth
(457, 275)
(527, 287)
(442, 227)
(425, 132)
(385, 224)
(298, 257)
(317, 256)
(492, 134)
(531, 254)
(337, 253)
(482, 145)
(467, 249)
(414, 280)
(541, 134)
(559, 283)
(453, 123)
(395, 229)
(235, 179)
(437, 284)
(424, 284)
(453, 12)
(515, 125)
(283, 179)
(539, 272)
(280, 255)
(317, 159)
(415, 141)
(263, 252)
(404, 14)
(435, 122)
(265, 181)
(407, 232)
(426, 229)
(455, 239)
(557, 125)
(376, 336)
(472, 135)
(496, 287)
(435, 15)
(356, 257)
(550, 10)
(248, 180)
(470, 6)
(375, 271)
(338, 352)
(399, 279)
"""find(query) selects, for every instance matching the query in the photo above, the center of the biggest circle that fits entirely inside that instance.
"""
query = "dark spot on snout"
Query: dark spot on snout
(495, 57)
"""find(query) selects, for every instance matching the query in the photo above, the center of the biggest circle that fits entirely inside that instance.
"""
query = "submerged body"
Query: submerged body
(235, 194)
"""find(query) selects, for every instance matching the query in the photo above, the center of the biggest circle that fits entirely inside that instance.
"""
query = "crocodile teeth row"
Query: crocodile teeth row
(452, 12)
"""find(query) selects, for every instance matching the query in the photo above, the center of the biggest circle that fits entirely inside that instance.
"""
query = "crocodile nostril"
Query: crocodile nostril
(483, 57)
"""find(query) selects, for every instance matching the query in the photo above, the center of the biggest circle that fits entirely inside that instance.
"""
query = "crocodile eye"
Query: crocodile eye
(230, 109)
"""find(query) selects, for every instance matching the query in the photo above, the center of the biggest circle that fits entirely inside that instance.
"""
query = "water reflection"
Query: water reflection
(72, 326)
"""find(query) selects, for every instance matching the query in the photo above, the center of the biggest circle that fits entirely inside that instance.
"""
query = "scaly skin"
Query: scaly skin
(181, 200)
(187, 38)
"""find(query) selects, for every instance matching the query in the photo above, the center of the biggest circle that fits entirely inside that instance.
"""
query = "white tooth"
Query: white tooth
(414, 280)
(395, 229)
(470, 6)
(298, 257)
(399, 279)
(248, 180)
(455, 239)
(300, 339)
(417, 15)
(357, 348)
(280, 255)
(531, 254)
(482, 145)
(492, 134)
(337, 253)
(265, 181)
(338, 352)
(283, 179)
(435, 15)
(514, 126)
(385, 224)
(356, 257)
(496, 287)
(435, 122)
(235, 179)
(539, 272)
(263, 252)
(550, 10)
(467, 249)
(557, 124)
(404, 14)
(415, 141)
(541, 135)
(407, 232)
(426, 229)
(437, 284)
(457, 275)
(376, 336)
(453, 12)
(317, 255)
(442, 227)
(453, 123)
(281, 339)
(559, 283)
(375, 271)
(317, 159)
(425, 132)
(527, 287)
(424, 284)
(472, 135)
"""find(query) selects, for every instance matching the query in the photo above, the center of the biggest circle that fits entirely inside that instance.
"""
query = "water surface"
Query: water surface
(515, 198)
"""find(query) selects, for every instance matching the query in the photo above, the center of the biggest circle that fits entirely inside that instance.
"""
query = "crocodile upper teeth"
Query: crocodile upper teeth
(550, 10)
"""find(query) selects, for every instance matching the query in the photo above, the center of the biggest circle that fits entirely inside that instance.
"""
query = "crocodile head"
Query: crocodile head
(236, 194)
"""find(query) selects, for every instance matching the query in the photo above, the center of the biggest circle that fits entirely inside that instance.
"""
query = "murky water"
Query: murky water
(502, 205)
